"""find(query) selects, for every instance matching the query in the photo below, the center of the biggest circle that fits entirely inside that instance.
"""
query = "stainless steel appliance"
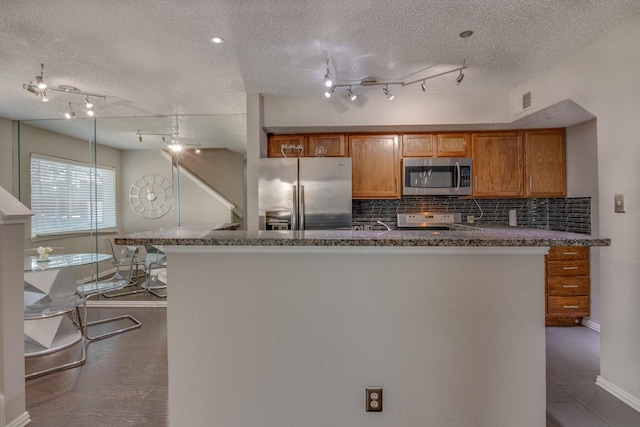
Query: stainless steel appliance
(307, 193)
(429, 220)
(436, 176)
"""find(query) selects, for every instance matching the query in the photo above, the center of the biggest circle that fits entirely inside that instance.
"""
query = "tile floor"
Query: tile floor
(573, 398)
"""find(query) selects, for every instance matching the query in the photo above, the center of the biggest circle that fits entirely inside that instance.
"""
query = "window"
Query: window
(69, 197)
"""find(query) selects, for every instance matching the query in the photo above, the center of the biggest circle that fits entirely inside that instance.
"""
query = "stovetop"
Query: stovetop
(428, 220)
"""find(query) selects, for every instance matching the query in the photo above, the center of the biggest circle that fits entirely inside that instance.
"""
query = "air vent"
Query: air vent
(527, 100)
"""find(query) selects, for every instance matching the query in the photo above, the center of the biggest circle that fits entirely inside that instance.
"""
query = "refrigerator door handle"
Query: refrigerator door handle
(294, 219)
(302, 207)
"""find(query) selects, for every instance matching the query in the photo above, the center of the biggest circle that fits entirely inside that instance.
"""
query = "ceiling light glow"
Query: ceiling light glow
(217, 40)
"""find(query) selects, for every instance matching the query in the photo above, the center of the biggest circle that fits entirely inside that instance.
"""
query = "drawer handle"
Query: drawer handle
(570, 286)
(569, 306)
(569, 268)
(570, 253)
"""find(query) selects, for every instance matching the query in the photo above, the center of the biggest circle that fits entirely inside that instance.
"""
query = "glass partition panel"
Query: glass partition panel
(133, 157)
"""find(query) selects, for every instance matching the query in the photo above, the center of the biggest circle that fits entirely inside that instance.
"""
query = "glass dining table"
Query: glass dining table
(46, 280)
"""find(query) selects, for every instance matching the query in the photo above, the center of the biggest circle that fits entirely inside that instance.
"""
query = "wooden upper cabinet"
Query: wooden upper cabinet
(376, 166)
(497, 164)
(332, 145)
(545, 163)
(419, 145)
(453, 145)
(435, 145)
(276, 143)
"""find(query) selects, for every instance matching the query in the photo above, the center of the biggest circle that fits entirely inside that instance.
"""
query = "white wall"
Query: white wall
(374, 108)
(196, 205)
(582, 181)
(602, 78)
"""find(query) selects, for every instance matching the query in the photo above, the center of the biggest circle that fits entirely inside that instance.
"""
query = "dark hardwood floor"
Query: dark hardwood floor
(124, 381)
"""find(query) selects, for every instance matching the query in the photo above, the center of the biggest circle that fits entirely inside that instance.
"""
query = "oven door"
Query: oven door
(439, 176)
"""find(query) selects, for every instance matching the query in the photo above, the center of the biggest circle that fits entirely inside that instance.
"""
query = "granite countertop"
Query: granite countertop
(470, 236)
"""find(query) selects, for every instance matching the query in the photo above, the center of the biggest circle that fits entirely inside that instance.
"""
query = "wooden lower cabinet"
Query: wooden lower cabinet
(566, 285)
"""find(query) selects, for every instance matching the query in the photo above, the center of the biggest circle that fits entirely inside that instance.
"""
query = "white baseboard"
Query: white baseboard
(591, 325)
(622, 395)
(21, 421)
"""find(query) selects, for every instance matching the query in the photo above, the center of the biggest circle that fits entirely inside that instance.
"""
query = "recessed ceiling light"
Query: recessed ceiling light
(466, 34)
(217, 40)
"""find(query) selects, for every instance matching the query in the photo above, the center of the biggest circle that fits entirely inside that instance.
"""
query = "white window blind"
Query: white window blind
(69, 197)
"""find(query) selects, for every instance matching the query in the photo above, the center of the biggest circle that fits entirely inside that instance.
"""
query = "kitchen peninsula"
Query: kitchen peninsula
(276, 328)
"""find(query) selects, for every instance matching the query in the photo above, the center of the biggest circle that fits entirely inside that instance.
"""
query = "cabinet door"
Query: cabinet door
(276, 143)
(376, 166)
(545, 166)
(453, 145)
(332, 145)
(419, 145)
(497, 164)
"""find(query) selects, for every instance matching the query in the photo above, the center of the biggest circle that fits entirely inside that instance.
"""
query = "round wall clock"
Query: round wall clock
(151, 196)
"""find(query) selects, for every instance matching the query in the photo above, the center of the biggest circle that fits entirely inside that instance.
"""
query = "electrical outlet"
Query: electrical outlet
(470, 219)
(618, 203)
(374, 399)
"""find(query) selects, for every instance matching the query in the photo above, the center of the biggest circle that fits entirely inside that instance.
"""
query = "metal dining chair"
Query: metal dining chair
(155, 259)
(50, 310)
(117, 262)
(121, 277)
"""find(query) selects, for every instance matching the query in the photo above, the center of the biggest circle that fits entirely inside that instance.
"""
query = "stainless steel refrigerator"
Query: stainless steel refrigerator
(307, 193)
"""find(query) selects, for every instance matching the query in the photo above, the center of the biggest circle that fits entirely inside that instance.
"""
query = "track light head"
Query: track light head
(69, 114)
(328, 81)
(90, 111)
(40, 82)
(352, 96)
(44, 96)
(460, 77)
(87, 103)
(424, 86)
(329, 92)
(386, 92)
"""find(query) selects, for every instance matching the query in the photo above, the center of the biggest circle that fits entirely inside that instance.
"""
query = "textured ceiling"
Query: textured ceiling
(154, 57)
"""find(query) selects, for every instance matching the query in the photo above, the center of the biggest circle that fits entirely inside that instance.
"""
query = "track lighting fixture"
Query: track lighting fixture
(172, 140)
(371, 81)
(352, 96)
(386, 92)
(69, 114)
(38, 87)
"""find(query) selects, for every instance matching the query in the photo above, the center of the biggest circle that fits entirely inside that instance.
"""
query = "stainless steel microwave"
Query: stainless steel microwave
(436, 176)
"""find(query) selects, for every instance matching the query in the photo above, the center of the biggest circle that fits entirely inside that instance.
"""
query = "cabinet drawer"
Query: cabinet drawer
(559, 253)
(577, 267)
(568, 306)
(568, 286)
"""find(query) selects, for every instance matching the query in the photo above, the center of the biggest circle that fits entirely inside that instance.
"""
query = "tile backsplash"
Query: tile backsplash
(570, 214)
